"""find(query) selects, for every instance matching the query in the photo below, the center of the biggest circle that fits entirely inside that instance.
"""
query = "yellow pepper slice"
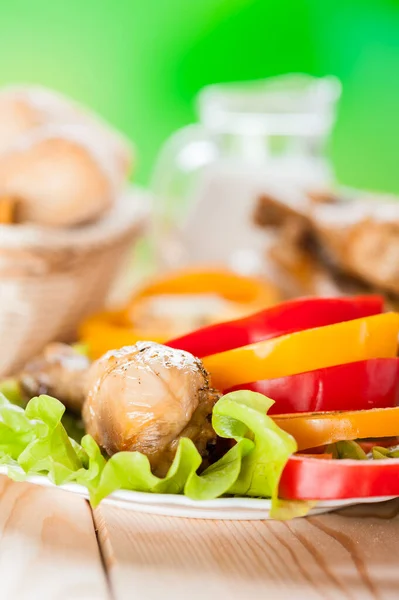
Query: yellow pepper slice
(360, 339)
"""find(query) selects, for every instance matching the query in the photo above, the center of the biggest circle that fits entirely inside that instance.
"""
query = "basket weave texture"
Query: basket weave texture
(50, 279)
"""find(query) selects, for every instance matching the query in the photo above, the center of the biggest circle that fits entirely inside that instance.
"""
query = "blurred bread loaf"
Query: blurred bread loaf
(60, 165)
(59, 177)
(23, 108)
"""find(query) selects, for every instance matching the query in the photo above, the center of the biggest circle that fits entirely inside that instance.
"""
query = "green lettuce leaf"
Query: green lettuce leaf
(34, 441)
(10, 388)
(242, 415)
(16, 429)
(284, 510)
(252, 467)
(51, 451)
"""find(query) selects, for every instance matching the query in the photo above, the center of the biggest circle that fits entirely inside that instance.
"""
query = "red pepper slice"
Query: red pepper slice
(361, 385)
(306, 478)
(287, 317)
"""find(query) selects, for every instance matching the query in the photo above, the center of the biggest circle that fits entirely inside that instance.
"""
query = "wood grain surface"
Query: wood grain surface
(351, 555)
(50, 550)
(48, 546)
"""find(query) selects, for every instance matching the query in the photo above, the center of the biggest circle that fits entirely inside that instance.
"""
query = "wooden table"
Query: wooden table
(53, 547)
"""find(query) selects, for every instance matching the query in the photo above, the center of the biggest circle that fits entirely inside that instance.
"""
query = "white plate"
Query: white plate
(244, 509)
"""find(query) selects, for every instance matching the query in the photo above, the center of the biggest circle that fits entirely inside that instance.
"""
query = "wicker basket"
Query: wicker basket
(50, 279)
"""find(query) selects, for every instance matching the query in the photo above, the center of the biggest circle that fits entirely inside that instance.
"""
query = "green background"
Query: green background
(141, 62)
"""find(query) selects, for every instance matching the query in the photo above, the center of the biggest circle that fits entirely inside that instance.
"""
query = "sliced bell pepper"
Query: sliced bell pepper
(306, 478)
(318, 429)
(105, 331)
(287, 317)
(352, 341)
(111, 329)
(7, 209)
(354, 386)
(237, 288)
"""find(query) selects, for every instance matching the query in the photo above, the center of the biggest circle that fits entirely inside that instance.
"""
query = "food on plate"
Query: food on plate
(60, 371)
(34, 441)
(324, 244)
(286, 317)
(59, 165)
(372, 383)
(176, 304)
(139, 398)
(311, 430)
(341, 343)
(307, 478)
(154, 422)
(145, 398)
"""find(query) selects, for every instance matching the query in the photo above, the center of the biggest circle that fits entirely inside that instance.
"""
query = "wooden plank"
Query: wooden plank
(48, 545)
(350, 555)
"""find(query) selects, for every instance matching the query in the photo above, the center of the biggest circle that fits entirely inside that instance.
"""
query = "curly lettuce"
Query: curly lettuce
(34, 441)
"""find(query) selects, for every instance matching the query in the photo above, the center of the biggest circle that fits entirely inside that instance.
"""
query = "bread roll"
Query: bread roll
(59, 176)
(25, 108)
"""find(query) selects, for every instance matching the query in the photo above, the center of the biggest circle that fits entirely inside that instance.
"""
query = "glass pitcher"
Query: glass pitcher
(209, 175)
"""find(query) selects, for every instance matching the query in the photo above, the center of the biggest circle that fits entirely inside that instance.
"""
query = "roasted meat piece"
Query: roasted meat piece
(323, 244)
(59, 371)
(143, 397)
(362, 238)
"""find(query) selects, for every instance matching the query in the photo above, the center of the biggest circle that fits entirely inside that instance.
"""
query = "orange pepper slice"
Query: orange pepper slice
(351, 341)
(107, 330)
(237, 288)
(317, 429)
(6, 211)
(114, 329)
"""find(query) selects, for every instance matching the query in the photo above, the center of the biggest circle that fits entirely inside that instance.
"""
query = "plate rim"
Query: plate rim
(180, 505)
